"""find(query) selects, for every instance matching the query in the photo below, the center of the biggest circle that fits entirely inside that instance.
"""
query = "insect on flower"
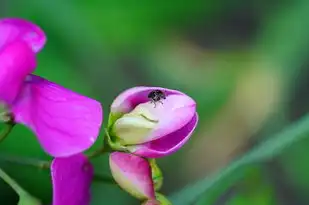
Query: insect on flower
(152, 132)
(156, 96)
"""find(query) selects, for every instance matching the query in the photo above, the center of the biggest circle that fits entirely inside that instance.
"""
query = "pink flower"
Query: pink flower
(152, 129)
(14, 29)
(133, 174)
(65, 122)
(71, 177)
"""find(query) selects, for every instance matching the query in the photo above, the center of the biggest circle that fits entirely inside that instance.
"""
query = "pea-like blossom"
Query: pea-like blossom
(65, 122)
(133, 174)
(71, 179)
(151, 128)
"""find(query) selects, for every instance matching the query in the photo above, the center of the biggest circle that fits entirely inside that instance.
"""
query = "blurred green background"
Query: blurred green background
(245, 63)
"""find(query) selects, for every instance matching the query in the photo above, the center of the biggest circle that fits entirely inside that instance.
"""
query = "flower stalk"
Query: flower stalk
(6, 130)
(19, 190)
(104, 148)
(41, 164)
(24, 196)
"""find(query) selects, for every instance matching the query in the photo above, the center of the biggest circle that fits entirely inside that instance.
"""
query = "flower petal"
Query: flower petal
(71, 178)
(167, 144)
(15, 29)
(16, 61)
(167, 116)
(133, 174)
(129, 99)
(174, 113)
(65, 122)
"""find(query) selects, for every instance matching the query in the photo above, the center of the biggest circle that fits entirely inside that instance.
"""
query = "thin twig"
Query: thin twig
(41, 164)
(18, 189)
(6, 131)
(105, 179)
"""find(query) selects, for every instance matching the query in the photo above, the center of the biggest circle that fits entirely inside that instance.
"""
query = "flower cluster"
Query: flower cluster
(142, 125)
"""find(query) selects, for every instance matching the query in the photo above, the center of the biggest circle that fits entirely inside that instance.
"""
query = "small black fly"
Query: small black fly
(156, 96)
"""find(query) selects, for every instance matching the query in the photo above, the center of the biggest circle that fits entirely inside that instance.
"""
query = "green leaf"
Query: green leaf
(253, 188)
(294, 170)
(266, 150)
(27, 199)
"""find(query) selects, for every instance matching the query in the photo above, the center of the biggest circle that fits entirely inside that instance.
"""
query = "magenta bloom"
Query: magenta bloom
(71, 177)
(65, 122)
(133, 174)
(152, 130)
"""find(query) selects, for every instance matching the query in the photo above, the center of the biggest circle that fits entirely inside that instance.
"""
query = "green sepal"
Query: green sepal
(112, 119)
(162, 199)
(114, 145)
(157, 176)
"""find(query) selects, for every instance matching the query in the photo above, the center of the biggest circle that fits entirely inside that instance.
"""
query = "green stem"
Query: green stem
(24, 196)
(6, 131)
(19, 190)
(107, 147)
(97, 152)
(42, 164)
(105, 179)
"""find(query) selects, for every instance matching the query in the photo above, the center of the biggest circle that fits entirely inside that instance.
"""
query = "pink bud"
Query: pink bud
(153, 127)
(133, 174)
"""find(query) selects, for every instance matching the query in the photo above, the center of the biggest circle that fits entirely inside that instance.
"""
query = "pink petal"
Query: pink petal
(133, 174)
(167, 144)
(65, 122)
(16, 61)
(71, 178)
(129, 99)
(173, 114)
(15, 29)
